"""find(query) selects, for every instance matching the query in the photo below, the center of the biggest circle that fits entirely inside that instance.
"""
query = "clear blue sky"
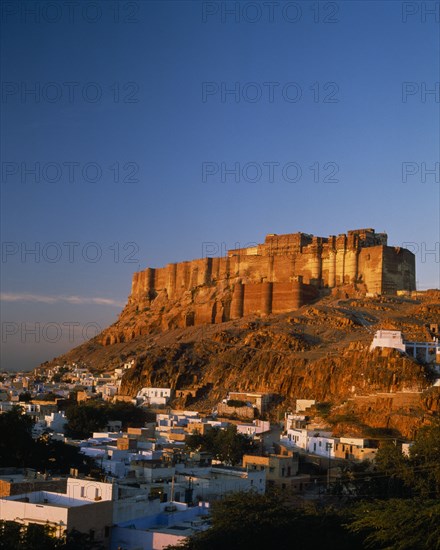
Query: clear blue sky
(341, 89)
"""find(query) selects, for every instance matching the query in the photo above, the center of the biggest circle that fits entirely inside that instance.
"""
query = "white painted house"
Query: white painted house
(388, 339)
(153, 396)
(314, 441)
(429, 352)
(85, 506)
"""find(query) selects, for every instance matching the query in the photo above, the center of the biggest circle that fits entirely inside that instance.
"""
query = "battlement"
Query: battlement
(294, 243)
(280, 274)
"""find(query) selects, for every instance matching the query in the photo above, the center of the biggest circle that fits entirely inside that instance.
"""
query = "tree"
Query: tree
(18, 448)
(391, 467)
(398, 524)
(231, 446)
(25, 397)
(16, 536)
(424, 460)
(57, 457)
(253, 521)
(74, 540)
(84, 419)
(416, 475)
(225, 445)
(128, 414)
(93, 416)
(16, 443)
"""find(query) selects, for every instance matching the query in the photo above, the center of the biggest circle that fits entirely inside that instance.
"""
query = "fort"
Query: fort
(282, 274)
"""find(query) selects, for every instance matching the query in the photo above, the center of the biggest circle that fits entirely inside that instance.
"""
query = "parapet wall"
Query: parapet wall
(361, 256)
(279, 275)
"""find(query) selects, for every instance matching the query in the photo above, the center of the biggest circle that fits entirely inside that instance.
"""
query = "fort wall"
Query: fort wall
(281, 274)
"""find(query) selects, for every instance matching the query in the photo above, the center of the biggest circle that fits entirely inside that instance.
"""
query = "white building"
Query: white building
(429, 352)
(173, 524)
(56, 421)
(388, 339)
(153, 396)
(322, 444)
(108, 391)
(255, 428)
(86, 506)
(212, 482)
(313, 441)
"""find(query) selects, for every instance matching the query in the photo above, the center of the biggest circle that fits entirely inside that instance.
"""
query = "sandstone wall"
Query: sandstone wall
(361, 256)
(279, 275)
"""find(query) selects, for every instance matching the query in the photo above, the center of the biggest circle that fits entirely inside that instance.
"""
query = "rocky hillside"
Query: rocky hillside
(319, 351)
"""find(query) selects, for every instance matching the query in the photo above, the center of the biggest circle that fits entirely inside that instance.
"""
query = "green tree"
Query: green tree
(416, 475)
(18, 448)
(84, 419)
(128, 414)
(9, 535)
(93, 416)
(74, 540)
(252, 521)
(398, 524)
(423, 475)
(57, 457)
(391, 471)
(25, 397)
(16, 443)
(225, 445)
(231, 446)
(15, 536)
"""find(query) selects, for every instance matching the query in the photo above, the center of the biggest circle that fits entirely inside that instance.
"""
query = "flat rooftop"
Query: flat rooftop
(184, 528)
(46, 498)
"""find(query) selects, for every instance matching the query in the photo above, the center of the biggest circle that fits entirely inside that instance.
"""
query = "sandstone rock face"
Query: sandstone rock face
(402, 412)
(280, 275)
(319, 351)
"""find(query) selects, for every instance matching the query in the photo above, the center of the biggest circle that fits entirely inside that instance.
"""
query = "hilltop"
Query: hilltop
(319, 351)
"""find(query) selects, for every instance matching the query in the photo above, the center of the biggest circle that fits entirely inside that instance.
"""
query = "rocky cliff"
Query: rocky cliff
(318, 351)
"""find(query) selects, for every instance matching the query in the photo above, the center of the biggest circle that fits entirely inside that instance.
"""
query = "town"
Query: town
(144, 475)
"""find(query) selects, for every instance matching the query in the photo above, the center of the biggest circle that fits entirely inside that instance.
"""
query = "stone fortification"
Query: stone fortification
(282, 274)
(287, 270)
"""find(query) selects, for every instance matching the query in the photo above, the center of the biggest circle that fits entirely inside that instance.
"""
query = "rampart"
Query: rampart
(360, 256)
(281, 274)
